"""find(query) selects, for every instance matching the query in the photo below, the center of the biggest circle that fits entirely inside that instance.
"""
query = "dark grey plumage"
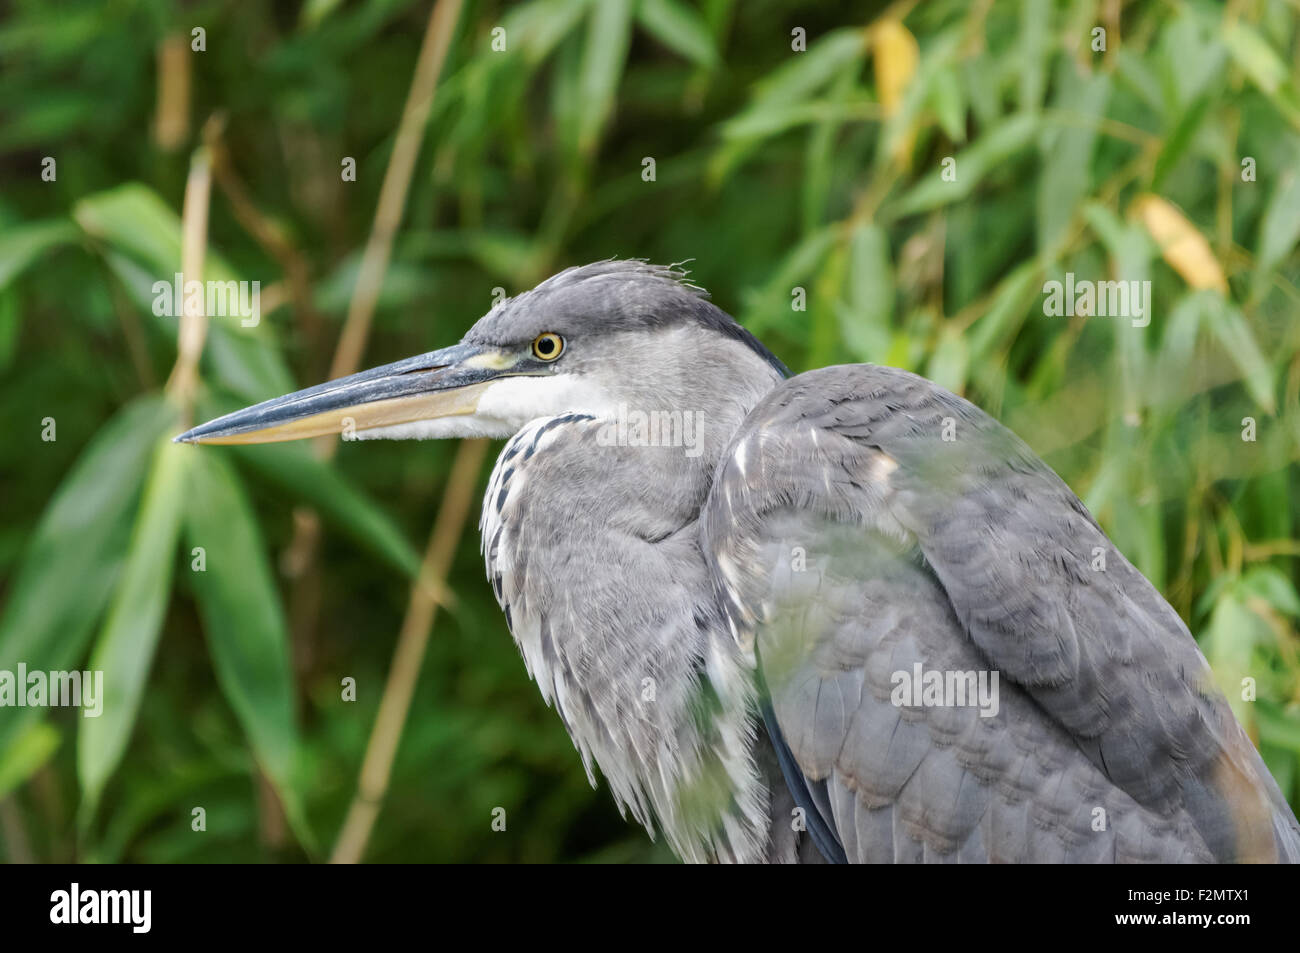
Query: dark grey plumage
(970, 554)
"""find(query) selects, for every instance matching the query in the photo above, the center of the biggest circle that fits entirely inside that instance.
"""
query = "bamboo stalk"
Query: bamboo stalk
(182, 383)
(172, 120)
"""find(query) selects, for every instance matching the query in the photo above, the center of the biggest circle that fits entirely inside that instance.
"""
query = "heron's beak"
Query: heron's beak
(444, 383)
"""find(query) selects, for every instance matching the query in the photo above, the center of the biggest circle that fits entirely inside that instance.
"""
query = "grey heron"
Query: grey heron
(844, 615)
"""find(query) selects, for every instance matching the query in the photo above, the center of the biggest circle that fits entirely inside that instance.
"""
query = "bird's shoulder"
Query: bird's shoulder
(897, 492)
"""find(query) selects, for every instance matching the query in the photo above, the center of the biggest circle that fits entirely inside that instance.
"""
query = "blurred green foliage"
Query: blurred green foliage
(787, 175)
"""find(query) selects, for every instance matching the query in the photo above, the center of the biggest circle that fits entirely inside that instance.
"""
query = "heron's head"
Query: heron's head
(590, 340)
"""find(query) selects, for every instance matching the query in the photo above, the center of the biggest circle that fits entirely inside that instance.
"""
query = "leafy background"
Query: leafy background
(775, 170)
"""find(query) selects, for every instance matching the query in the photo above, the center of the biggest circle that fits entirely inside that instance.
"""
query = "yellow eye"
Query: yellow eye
(548, 346)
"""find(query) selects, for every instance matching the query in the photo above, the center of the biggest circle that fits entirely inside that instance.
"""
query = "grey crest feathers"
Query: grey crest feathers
(607, 297)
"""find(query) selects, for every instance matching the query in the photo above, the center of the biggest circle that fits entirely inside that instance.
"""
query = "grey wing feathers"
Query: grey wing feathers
(865, 521)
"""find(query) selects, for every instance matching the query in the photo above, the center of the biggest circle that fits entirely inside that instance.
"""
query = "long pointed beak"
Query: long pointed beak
(442, 383)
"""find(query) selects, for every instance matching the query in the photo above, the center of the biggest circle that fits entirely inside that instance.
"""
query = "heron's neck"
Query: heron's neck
(678, 422)
(590, 532)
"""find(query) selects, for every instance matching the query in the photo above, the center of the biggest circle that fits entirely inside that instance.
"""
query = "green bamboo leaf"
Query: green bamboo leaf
(980, 80)
(126, 645)
(137, 281)
(51, 119)
(68, 569)
(1253, 55)
(762, 124)
(1277, 725)
(987, 153)
(1107, 484)
(1229, 644)
(1179, 139)
(1177, 350)
(1267, 70)
(1014, 296)
(1067, 155)
(243, 620)
(245, 365)
(1283, 764)
(297, 471)
(141, 236)
(24, 755)
(1109, 228)
(808, 72)
(679, 28)
(135, 219)
(1268, 503)
(768, 306)
(1273, 587)
(1131, 262)
(315, 12)
(948, 100)
(1137, 76)
(20, 245)
(1281, 224)
(541, 25)
(819, 162)
(866, 318)
(1191, 56)
(1032, 56)
(1131, 251)
(608, 37)
(1233, 331)
(825, 339)
(779, 99)
(950, 361)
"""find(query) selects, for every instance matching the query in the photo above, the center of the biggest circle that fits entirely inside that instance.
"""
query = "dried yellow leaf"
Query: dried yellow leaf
(1181, 244)
(896, 56)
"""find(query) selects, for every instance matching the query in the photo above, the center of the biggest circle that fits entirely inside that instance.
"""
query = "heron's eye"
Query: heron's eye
(548, 346)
